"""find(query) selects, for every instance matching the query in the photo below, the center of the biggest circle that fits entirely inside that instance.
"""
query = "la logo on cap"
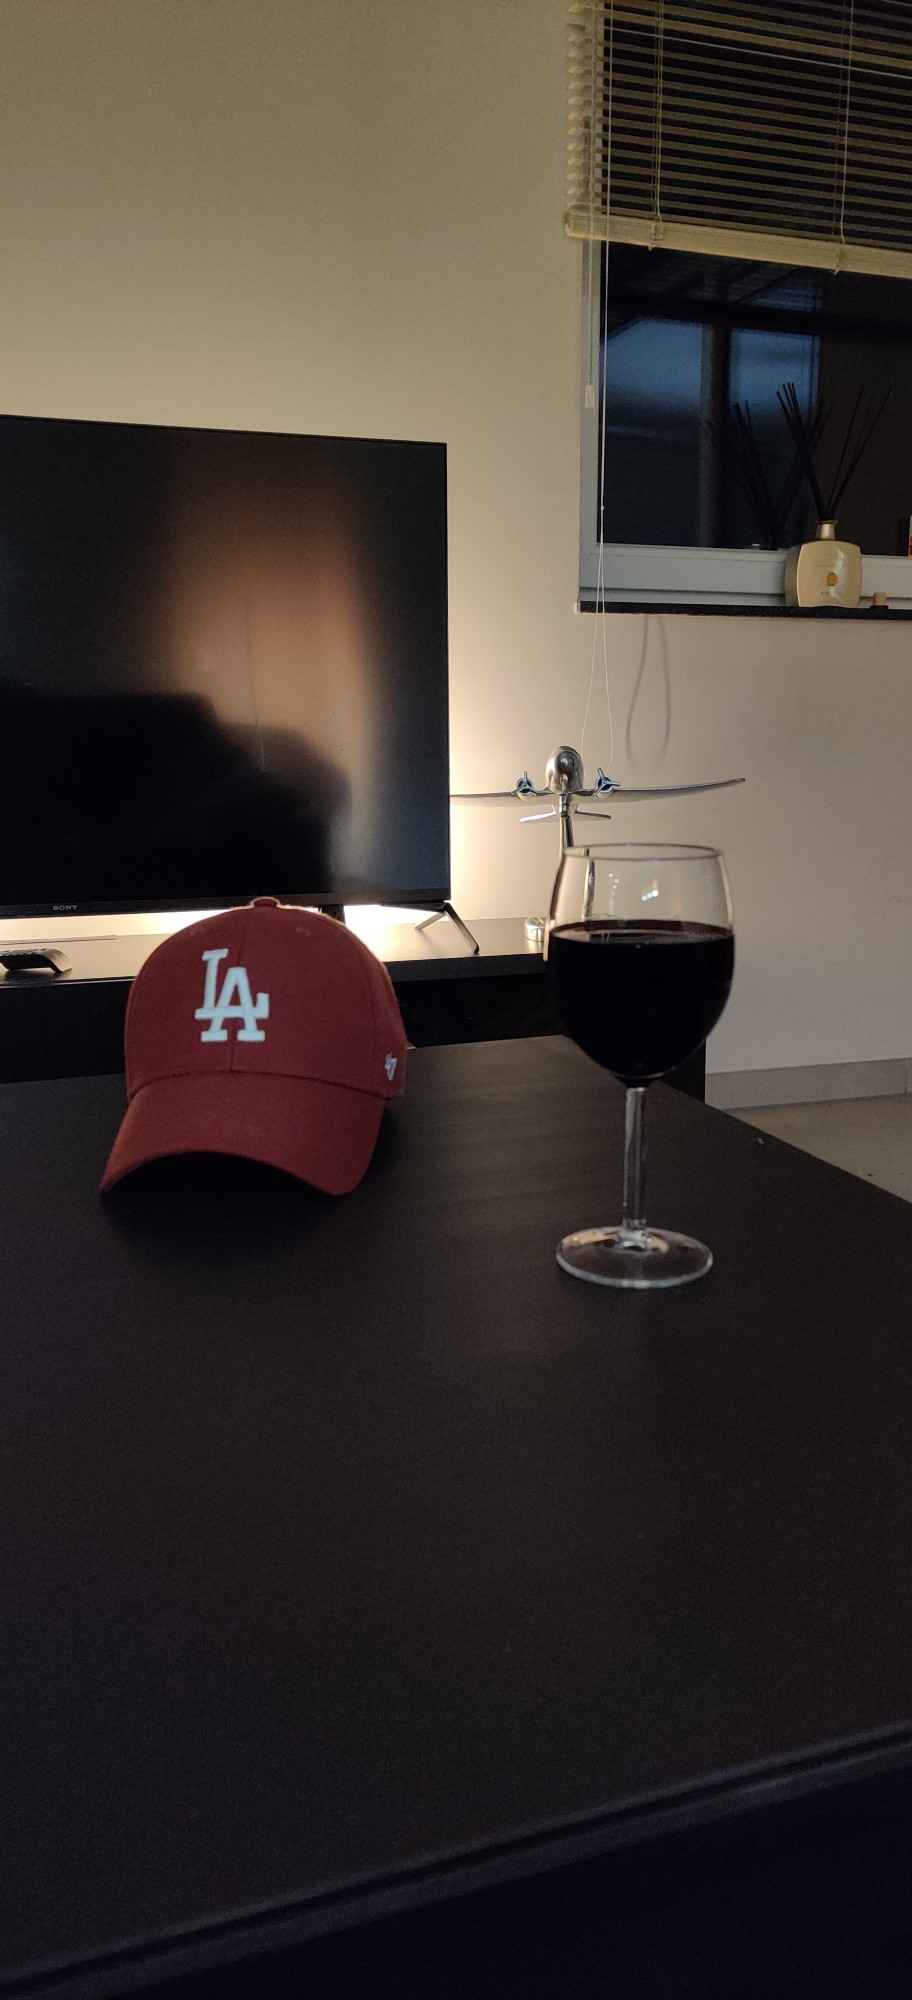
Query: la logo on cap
(217, 1009)
(288, 1054)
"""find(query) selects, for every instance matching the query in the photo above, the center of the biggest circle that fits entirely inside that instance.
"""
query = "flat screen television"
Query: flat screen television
(223, 668)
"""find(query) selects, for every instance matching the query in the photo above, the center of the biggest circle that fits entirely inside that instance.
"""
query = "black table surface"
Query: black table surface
(349, 1550)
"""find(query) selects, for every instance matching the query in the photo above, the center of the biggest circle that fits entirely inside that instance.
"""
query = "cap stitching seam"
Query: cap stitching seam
(281, 1075)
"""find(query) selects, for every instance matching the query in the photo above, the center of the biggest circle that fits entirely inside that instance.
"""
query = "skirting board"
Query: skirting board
(814, 1083)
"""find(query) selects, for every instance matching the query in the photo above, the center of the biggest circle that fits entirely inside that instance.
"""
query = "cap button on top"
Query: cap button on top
(265, 903)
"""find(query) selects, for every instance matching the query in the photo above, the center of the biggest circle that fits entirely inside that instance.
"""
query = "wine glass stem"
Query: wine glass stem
(634, 1219)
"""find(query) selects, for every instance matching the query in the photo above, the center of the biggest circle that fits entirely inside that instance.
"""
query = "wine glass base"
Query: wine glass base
(639, 1261)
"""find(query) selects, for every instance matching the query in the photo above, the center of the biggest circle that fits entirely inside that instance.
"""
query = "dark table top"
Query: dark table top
(347, 1544)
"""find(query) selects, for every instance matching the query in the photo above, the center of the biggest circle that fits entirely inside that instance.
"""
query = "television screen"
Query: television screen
(223, 668)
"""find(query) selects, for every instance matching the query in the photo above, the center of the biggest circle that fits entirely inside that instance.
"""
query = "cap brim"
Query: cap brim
(323, 1133)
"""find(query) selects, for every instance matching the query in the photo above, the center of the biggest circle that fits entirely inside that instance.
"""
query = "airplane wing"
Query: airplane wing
(604, 788)
(514, 798)
(607, 789)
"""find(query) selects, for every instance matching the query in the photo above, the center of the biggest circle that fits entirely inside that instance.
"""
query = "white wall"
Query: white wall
(345, 216)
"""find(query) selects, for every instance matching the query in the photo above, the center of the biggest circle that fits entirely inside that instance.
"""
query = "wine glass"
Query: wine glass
(640, 953)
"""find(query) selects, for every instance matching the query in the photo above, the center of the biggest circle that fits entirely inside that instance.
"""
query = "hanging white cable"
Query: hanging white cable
(599, 312)
(846, 122)
(659, 106)
(594, 156)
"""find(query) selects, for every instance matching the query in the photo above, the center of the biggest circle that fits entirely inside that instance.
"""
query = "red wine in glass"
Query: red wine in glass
(640, 952)
(638, 995)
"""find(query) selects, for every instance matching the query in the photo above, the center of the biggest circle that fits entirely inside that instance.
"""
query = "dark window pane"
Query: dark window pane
(652, 432)
(760, 360)
(687, 338)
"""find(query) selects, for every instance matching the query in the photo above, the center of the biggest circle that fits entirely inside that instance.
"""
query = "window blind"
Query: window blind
(780, 131)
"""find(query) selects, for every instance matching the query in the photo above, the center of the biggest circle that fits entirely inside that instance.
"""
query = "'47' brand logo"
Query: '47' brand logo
(235, 1002)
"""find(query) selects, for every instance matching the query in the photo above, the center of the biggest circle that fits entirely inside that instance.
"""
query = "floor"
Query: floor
(869, 1136)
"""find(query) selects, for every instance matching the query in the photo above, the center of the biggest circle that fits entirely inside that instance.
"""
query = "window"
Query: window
(693, 351)
(748, 169)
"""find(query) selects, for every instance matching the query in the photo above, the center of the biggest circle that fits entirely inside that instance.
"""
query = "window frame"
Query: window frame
(661, 577)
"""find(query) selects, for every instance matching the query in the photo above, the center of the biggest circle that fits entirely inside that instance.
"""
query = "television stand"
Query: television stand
(447, 910)
(74, 1026)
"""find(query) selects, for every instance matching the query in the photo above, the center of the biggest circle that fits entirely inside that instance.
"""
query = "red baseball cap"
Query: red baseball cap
(270, 1032)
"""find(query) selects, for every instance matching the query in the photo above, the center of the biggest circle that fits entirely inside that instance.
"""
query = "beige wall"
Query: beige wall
(344, 216)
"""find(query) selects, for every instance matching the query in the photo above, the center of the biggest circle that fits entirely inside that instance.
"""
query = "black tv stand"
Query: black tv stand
(447, 910)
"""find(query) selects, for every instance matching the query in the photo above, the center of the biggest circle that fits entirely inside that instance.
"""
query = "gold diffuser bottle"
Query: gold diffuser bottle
(825, 571)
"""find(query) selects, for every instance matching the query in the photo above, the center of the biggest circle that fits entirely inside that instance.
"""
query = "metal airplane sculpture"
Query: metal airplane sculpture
(565, 782)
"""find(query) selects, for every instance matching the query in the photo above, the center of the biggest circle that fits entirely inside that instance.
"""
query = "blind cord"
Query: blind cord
(595, 156)
(845, 134)
(657, 121)
(599, 314)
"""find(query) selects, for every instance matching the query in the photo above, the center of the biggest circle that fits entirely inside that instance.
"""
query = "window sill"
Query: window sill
(640, 578)
(870, 614)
